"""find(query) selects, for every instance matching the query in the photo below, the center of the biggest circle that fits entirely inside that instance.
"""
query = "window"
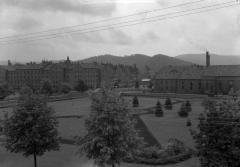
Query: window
(182, 84)
(220, 85)
(199, 85)
(191, 86)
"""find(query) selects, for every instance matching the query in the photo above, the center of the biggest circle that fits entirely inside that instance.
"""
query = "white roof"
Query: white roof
(146, 80)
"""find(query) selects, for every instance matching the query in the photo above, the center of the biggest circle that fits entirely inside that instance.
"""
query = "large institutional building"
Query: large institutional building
(32, 74)
(217, 79)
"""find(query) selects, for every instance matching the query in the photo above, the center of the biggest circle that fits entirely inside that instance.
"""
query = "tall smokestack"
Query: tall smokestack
(207, 59)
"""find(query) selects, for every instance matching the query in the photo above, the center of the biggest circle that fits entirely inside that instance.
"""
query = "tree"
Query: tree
(81, 86)
(168, 104)
(31, 129)
(183, 112)
(46, 87)
(188, 106)
(111, 136)
(4, 90)
(25, 91)
(65, 88)
(159, 112)
(135, 101)
(218, 136)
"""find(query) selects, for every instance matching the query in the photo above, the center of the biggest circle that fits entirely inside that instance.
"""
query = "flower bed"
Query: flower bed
(174, 152)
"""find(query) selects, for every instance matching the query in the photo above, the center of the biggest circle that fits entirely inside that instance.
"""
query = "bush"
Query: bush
(174, 152)
(183, 111)
(175, 147)
(81, 86)
(46, 87)
(25, 91)
(152, 152)
(5, 90)
(188, 106)
(135, 101)
(65, 88)
(189, 123)
(158, 111)
(168, 104)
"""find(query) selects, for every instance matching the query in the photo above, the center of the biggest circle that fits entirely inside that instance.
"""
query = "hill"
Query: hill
(155, 63)
(215, 59)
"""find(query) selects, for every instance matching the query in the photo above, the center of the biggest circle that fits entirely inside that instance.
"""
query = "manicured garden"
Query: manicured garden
(162, 128)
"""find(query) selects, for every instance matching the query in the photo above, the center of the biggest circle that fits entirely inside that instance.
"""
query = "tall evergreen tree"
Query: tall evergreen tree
(135, 101)
(111, 136)
(31, 129)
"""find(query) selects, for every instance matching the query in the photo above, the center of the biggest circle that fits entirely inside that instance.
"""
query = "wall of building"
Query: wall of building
(216, 85)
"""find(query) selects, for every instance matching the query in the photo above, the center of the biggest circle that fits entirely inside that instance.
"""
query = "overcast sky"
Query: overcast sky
(216, 31)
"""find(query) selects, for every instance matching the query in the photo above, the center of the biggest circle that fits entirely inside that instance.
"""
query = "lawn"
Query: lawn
(173, 126)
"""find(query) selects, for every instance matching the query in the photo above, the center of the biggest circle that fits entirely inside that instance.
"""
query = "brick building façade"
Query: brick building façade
(32, 74)
(195, 79)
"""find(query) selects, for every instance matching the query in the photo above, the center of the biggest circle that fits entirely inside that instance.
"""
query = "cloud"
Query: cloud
(95, 9)
(26, 24)
(108, 37)
(149, 36)
(119, 37)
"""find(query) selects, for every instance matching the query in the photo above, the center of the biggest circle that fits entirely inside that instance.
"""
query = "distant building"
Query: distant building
(32, 74)
(217, 79)
(145, 83)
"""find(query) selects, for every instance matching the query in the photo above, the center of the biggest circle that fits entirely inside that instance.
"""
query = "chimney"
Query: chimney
(9, 63)
(207, 59)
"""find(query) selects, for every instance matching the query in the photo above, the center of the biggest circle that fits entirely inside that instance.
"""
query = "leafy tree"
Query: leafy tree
(25, 91)
(159, 111)
(218, 136)
(46, 87)
(65, 88)
(111, 136)
(135, 101)
(4, 90)
(31, 129)
(168, 104)
(183, 112)
(81, 86)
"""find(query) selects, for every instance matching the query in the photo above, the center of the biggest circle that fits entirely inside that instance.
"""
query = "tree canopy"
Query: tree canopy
(31, 129)
(111, 136)
(218, 135)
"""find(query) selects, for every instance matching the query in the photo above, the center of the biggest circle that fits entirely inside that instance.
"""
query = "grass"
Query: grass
(172, 126)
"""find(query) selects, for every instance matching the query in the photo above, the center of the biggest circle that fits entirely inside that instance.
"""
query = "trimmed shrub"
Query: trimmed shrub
(135, 101)
(168, 104)
(188, 106)
(158, 110)
(189, 123)
(183, 111)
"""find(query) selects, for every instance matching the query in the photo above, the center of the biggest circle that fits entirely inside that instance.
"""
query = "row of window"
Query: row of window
(208, 85)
